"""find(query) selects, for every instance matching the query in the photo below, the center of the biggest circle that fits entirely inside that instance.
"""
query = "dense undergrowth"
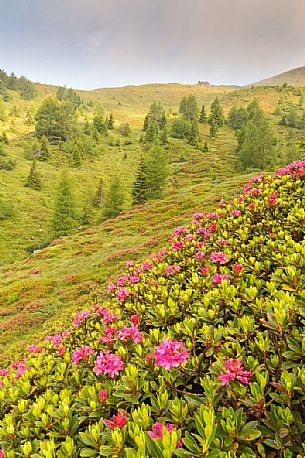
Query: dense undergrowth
(198, 351)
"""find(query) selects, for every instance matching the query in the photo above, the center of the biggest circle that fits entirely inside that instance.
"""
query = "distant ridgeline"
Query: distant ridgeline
(12, 82)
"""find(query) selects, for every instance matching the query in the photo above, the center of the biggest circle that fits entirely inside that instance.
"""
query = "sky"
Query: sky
(88, 44)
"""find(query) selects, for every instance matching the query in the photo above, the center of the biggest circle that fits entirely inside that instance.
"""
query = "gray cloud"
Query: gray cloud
(97, 43)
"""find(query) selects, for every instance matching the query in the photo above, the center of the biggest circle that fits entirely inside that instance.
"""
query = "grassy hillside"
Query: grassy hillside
(198, 351)
(37, 288)
(294, 77)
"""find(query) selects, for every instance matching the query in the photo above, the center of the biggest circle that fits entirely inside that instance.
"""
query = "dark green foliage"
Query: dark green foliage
(86, 215)
(205, 147)
(203, 119)
(4, 139)
(32, 149)
(256, 141)
(45, 150)
(193, 133)
(68, 95)
(78, 149)
(114, 199)
(188, 108)
(216, 118)
(34, 181)
(110, 122)
(163, 136)
(64, 214)
(23, 85)
(156, 165)
(152, 133)
(237, 117)
(124, 129)
(179, 128)
(156, 115)
(7, 164)
(141, 185)
(99, 195)
(99, 123)
(55, 120)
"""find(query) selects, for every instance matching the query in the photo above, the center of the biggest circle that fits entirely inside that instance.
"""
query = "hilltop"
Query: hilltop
(294, 77)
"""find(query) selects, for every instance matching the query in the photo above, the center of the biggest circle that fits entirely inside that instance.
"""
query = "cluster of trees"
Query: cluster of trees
(155, 125)
(68, 95)
(66, 216)
(6, 163)
(292, 114)
(255, 137)
(25, 87)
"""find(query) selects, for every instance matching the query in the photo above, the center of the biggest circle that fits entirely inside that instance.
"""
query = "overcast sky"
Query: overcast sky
(89, 44)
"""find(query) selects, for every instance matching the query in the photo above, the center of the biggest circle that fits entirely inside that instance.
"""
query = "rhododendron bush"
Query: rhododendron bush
(199, 351)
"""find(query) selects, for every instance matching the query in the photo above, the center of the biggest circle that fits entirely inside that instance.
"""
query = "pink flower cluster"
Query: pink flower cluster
(81, 316)
(256, 178)
(237, 268)
(108, 317)
(82, 353)
(56, 339)
(122, 294)
(108, 335)
(34, 349)
(169, 270)
(205, 270)
(170, 353)
(221, 258)
(218, 278)
(157, 431)
(199, 255)
(108, 364)
(133, 333)
(118, 420)
(234, 371)
(103, 394)
(21, 368)
(235, 212)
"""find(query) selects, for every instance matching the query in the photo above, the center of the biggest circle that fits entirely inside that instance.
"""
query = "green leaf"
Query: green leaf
(88, 452)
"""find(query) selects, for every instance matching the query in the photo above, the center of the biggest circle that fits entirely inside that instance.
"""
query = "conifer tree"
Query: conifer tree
(34, 181)
(205, 147)
(99, 122)
(188, 108)
(164, 136)
(193, 134)
(203, 119)
(110, 122)
(152, 133)
(114, 199)
(216, 117)
(44, 149)
(99, 196)
(64, 215)
(140, 186)
(156, 164)
(213, 128)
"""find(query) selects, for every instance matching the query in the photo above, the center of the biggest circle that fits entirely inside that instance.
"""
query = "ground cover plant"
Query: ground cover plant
(197, 351)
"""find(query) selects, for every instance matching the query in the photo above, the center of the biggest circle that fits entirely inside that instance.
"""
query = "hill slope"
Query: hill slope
(294, 77)
(194, 352)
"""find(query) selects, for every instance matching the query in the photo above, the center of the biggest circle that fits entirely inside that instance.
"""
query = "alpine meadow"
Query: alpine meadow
(152, 251)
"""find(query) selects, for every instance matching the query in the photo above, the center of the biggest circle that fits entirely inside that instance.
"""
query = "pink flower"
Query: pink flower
(199, 255)
(218, 278)
(252, 206)
(61, 350)
(234, 371)
(119, 420)
(81, 316)
(177, 245)
(157, 431)
(272, 201)
(1, 453)
(122, 294)
(129, 263)
(200, 244)
(223, 242)
(255, 191)
(103, 395)
(4, 372)
(170, 353)
(108, 331)
(134, 319)
(111, 287)
(235, 212)
(205, 270)
(219, 257)
(56, 339)
(107, 316)
(82, 353)
(238, 267)
(171, 269)
(134, 279)
(247, 188)
(109, 364)
(256, 178)
(241, 199)
(132, 332)
(147, 265)
(34, 349)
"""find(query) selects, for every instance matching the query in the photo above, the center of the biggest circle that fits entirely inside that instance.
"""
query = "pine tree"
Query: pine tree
(203, 119)
(45, 151)
(193, 134)
(33, 180)
(188, 108)
(213, 128)
(99, 195)
(205, 147)
(164, 136)
(216, 117)
(114, 200)
(64, 215)
(152, 133)
(99, 122)
(156, 164)
(125, 129)
(110, 122)
(140, 186)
